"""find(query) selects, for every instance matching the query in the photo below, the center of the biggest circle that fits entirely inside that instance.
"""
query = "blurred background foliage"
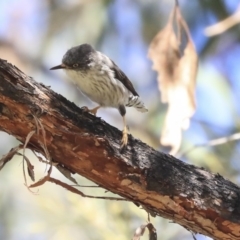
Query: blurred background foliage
(34, 35)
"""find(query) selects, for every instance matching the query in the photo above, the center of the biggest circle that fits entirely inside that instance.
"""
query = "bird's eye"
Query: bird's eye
(75, 65)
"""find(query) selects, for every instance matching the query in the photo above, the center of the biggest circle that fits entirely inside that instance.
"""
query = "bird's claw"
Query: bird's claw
(92, 111)
(85, 109)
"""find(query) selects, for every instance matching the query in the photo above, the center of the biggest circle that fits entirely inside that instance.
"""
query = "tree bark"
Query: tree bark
(198, 200)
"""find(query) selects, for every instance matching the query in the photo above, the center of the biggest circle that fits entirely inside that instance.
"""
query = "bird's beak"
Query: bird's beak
(58, 67)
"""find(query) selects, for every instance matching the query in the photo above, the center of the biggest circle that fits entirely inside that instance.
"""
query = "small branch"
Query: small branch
(74, 190)
(223, 25)
(214, 142)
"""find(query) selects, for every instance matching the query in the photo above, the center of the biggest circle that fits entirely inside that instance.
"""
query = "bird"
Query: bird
(102, 81)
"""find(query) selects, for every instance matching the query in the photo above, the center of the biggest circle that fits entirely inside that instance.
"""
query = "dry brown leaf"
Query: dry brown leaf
(66, 173)
(164, 52)
(152, 232)
(188, 66)
(176, 78)
(7, 157)
(30, 167)
(74, 190)
(46, 152)
(29, 136)
(14, 151)
(140, 231)
(43, 180)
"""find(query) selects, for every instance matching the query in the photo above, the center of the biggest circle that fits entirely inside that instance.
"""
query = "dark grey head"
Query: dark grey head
(76, 58)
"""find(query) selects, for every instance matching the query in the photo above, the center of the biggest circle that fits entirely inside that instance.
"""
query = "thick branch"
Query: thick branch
(198, 200)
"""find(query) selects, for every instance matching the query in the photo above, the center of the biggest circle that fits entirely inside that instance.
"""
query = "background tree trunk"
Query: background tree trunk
(84, 144)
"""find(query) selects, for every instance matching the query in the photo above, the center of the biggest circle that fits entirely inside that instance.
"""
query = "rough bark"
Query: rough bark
(190, 196)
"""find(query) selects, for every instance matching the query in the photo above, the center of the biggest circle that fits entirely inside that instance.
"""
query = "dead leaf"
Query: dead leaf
(152, 232)
(46, 152)
(43, 180)
(29, 136)
(7, 157)
(140, 231)
(66, 173)
(176, 77)
(164, 52)
(30, 167)
(74, 190)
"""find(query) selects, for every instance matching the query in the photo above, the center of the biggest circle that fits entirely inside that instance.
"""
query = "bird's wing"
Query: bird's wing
(120, 75)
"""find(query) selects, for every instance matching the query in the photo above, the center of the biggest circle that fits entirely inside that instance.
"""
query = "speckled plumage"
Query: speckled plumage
(99, 78)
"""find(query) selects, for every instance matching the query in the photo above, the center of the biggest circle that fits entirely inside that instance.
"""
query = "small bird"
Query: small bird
(101, 80)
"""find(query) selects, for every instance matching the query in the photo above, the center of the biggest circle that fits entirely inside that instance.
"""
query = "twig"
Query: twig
(214, 142)
(223, 25)
(74, 190)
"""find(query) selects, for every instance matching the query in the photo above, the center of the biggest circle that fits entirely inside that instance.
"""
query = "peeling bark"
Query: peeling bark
(165, 186)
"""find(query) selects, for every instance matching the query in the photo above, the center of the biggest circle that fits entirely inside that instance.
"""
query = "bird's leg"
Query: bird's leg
(93, 111)
(124, 134)
(124, 140)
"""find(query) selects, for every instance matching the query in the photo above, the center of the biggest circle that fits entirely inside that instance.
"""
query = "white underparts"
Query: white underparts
(98, 83)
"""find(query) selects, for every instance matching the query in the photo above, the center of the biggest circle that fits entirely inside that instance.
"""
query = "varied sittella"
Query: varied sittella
(100, 79)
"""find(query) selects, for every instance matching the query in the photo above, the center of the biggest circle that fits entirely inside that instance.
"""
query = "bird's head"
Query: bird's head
(76, 58)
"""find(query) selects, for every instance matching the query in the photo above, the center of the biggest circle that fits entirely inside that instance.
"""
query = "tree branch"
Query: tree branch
(84, 144)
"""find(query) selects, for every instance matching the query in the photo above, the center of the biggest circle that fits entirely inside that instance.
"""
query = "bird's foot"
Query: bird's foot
(92, 111)
(124, 140)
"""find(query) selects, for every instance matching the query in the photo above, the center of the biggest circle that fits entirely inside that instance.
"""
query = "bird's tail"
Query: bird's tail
(135, 101)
